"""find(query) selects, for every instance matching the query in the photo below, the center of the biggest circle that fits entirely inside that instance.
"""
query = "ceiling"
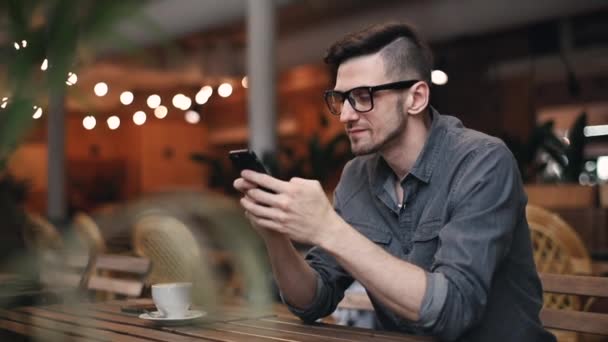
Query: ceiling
(437, 20)
(304, 30)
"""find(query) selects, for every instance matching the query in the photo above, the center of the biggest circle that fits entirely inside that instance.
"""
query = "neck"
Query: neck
(403, 151)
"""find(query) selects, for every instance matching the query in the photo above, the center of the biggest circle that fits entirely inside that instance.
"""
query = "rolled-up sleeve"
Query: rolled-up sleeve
(332, 281)
(485, 203)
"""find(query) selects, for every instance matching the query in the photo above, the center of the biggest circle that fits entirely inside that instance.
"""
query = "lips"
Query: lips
(355, 131)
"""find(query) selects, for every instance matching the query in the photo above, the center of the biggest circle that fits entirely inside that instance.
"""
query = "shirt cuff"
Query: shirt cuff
(310, 310)
(433, 300)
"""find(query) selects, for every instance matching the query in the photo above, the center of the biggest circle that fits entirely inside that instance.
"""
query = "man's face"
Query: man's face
(375, 130)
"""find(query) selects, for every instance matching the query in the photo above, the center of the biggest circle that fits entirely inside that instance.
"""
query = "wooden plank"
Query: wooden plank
(149, 331)
(299, 333)
(576, 285)
(123, 263)
(217, 315)
(216, 326)
(219, 331)
(36, 334)
(365, 331)
(336, 330)
(585, 322)
(201, 329)
(67, 328)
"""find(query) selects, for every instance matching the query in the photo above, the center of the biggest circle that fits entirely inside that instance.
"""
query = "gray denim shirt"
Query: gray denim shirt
(463, 221)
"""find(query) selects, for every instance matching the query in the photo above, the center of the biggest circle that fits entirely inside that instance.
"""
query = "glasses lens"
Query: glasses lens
(361, 99)
(335, 101)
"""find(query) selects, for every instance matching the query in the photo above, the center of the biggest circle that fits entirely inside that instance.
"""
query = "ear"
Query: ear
(418, 98)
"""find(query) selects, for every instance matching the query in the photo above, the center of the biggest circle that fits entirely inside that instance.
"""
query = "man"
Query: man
(429, 217)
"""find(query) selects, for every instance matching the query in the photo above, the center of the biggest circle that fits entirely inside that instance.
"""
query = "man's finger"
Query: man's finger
(262, 196)
(242, 185)
(259, 210)
(265, 181)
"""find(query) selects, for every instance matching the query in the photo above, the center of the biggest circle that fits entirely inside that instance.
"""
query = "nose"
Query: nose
(348, 114)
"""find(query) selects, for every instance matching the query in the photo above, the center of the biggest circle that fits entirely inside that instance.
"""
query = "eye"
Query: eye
(361, 95)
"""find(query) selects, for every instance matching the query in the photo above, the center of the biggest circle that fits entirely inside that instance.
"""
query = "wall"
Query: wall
(121, 164)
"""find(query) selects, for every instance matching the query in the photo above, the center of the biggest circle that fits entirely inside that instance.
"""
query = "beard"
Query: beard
(360, 147)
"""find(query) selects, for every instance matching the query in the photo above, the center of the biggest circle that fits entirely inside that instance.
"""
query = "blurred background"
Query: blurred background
(119, 111)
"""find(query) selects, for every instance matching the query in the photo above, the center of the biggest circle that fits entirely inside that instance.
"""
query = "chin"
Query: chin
(363, 150)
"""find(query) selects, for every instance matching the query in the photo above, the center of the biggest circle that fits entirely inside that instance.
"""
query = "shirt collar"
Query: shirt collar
(380, 172)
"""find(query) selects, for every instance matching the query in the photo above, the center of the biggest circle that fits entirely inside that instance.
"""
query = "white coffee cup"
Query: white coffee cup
(172, 299)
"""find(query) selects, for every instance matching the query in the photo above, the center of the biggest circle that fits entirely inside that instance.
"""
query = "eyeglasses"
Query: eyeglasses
(360, 98)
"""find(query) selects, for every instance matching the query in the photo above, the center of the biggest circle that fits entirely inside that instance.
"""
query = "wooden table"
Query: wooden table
(106, 322)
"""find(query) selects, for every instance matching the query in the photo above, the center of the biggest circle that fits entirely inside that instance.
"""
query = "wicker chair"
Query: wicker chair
(558, 249)
(40, 235)
(86, 228)
(175, 255)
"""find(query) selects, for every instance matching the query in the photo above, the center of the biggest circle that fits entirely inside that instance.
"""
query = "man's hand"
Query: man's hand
(244, 186)
(298, 209)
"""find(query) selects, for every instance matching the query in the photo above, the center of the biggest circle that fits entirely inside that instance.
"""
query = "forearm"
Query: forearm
(399, 285)
(295, 278)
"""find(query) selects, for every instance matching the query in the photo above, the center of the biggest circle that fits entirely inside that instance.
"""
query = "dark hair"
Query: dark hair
(406, 53)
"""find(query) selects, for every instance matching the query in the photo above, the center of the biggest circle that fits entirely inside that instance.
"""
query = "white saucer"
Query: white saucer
(155, 316)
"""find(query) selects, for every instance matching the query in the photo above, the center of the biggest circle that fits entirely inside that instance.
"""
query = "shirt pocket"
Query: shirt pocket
(425, 243)
(372, 233)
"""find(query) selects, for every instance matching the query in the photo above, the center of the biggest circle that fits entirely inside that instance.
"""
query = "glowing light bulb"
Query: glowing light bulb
(89, 122)
(101, 89)
(126, 98)
(161, 112)
(139, 118)
(224, 90)
(439, 77)
(192, 117)
(37, 113)
(153, 101)
(113, 122)
(72, 79)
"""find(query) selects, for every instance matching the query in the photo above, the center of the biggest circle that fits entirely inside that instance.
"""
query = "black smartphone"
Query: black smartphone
(138, 308)
(246, 160)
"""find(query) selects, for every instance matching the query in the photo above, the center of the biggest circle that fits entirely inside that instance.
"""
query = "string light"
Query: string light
(153, 101)
(192, 117)
(139, 118)
(89, 122)
(37, 113)
(245, 82)
(113, 122)
(224, 90)
(45, 65)
(72, 79)
(203, 95)
(181, 101)
(207, 90)
(439, 77)
(126, 98)
(101, 89)
(161, 112)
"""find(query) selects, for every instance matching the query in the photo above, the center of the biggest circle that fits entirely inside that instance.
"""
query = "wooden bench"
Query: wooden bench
(570, 320)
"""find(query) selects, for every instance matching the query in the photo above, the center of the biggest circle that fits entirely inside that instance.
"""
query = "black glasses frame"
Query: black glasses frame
(346, 95)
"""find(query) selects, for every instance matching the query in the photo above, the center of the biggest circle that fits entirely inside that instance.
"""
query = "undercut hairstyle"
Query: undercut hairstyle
(402, 50)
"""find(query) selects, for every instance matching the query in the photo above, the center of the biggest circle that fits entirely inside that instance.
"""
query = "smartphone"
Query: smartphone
(246, 160)
(138, 308)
